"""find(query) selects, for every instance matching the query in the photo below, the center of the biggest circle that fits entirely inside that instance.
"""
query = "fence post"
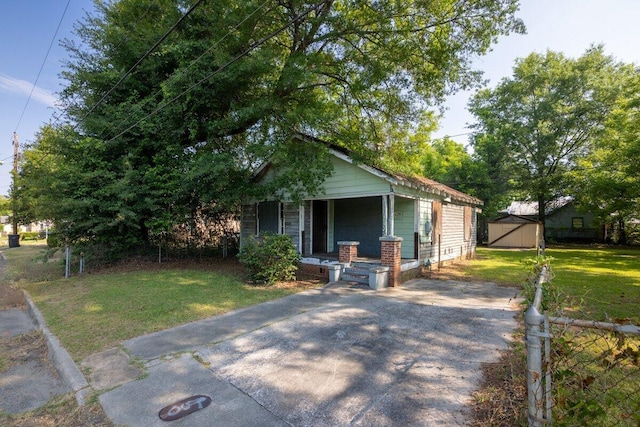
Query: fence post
(67, 263)
(535, 411)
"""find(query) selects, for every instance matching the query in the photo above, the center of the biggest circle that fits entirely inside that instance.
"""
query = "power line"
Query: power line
(213, 46)
(42, 66)
(235, 27)
(251, 47)
(142, 58)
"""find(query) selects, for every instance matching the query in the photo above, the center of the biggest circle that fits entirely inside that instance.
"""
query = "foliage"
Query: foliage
(270, 258)
(150, 142)
(29, 235)
(607, 181)
(5, 206)
(534, 127)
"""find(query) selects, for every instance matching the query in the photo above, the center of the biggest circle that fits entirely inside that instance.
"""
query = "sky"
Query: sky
(28, 28)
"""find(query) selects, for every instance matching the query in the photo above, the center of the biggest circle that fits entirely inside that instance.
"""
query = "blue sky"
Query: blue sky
(28, 26)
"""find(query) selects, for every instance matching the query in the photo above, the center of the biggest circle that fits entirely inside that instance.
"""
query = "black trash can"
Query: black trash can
(14, 240)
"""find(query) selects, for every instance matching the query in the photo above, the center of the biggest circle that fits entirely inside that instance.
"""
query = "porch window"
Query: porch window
(577, 223)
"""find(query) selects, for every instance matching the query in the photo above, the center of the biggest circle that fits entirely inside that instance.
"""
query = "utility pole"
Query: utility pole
(14, 239)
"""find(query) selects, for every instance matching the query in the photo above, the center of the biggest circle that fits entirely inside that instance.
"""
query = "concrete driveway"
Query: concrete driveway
(337, 356)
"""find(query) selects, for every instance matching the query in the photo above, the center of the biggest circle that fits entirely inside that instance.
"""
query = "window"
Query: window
(577, 223)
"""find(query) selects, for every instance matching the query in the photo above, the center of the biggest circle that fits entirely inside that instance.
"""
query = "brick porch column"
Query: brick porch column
(347, 251)
(390, 249)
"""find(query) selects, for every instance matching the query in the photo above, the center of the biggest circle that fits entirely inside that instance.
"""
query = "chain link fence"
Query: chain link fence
(580, 372)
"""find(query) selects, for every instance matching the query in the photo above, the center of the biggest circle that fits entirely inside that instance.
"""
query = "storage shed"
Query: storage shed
(514, 231)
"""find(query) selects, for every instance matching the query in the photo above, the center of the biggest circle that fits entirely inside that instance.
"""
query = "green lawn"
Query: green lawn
(93, 312)
(605, 279)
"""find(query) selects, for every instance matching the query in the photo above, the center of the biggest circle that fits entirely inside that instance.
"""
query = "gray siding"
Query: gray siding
(292, 222)
(247, 222)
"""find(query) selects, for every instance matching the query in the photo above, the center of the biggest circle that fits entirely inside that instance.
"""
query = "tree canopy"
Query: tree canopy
(534, 128)
(159, 130)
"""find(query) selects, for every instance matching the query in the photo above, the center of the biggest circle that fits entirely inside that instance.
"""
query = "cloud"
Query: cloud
(14, 85)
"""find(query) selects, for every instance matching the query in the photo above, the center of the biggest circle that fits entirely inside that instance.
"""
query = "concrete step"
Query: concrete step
(355, 275)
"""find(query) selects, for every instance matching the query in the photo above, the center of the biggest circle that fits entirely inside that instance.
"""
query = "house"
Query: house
(563, 222)
(364, 218)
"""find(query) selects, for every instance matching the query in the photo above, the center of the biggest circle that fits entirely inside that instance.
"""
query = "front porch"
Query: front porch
(346, 265)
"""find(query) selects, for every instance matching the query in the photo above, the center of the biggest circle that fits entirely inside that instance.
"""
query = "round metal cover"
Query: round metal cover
(184, 407)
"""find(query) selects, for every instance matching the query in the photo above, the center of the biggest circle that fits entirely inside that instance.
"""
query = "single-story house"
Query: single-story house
(366, 217)
(563, 222)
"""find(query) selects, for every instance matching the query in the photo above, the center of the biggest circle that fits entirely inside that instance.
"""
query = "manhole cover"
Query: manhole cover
(184, 407)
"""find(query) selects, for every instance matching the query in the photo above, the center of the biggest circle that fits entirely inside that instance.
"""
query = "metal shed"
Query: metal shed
(513, 231)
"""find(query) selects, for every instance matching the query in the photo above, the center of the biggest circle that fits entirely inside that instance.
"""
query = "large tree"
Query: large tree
(534, 126)
(607, 181)
(177, 127)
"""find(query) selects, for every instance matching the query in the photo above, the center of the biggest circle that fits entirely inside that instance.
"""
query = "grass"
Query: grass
(93, 312)
(595, 283)
(600, 282)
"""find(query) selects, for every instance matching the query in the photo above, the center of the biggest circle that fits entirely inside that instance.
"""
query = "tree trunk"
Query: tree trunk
(542, 215)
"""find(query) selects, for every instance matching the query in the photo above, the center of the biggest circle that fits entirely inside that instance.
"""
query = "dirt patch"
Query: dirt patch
(501, 400)
(10, 297)
(61, 411)
(22, 349)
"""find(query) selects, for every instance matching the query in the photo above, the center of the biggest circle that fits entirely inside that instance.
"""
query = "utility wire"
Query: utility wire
(142, 58)
(251, 47)
(213, 46)
(53, 39)
(122, 40)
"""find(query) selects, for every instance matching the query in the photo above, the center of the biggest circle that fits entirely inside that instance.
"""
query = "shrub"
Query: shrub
(270, 258)
(53, 241)
(29, 235)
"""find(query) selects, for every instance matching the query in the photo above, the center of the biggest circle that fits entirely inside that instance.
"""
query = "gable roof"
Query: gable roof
(419, 183)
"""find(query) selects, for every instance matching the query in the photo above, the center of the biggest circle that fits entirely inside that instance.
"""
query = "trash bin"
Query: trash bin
(14, 240)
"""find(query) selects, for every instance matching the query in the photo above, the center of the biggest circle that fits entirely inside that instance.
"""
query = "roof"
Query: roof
(529, 208)
(420, 183)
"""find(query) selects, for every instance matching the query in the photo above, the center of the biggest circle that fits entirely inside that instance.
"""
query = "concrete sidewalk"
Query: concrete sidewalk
(325, 357)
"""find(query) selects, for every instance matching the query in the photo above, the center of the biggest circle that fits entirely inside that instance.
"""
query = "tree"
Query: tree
(535, 126)
(607, 181)
(184, 127)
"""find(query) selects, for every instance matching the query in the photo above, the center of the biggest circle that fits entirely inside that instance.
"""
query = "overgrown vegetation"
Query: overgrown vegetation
(270, 258)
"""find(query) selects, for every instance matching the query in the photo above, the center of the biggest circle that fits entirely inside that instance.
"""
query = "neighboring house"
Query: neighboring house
(363, 213)
(562, 221)
(7, 226)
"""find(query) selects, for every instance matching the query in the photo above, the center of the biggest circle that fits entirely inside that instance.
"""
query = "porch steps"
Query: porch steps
(358, 272)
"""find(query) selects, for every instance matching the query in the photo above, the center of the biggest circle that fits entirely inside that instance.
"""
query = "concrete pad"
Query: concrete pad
(386, 359)
(138, 403)
(109, 369)
(15, 321)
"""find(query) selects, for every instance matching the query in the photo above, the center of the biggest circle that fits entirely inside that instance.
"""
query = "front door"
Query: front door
(319, 226)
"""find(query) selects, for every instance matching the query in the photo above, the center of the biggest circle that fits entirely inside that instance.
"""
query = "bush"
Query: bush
(53, 241)
(270, 258)
(30, 235)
